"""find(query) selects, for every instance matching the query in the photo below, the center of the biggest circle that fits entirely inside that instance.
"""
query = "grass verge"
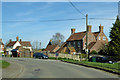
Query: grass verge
(106, 66)
(4, 64)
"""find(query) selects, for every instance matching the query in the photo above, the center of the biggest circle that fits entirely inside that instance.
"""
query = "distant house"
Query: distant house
(77, 41)
(19, 46)
(1, 46)
(52, 48)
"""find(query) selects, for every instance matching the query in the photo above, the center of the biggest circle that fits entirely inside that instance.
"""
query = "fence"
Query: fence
(70, 56)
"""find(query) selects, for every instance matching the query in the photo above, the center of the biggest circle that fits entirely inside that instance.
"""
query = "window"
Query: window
(99, 38)
(74, 44)
(104, 38)
(69, 43)
(78, 44)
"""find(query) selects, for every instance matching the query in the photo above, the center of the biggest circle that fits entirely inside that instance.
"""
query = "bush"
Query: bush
(93, 52)
(83, 55)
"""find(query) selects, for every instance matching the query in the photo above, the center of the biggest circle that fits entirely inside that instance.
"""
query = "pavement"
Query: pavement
(39, 68)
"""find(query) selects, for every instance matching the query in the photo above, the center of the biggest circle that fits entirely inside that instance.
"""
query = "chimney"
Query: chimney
(20, 39)
(101, 28)
(89, 28)
(72, 30)
(17, 38)
(50, 42)
(10, 40)
(59, 41)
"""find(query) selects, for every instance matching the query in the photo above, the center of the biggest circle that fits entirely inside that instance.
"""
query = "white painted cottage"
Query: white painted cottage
(18, 43)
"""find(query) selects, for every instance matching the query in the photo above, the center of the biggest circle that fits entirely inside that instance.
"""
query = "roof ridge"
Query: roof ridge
(80, 32)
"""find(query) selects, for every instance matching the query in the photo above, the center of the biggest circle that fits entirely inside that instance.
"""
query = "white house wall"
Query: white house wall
(16, 44)
(27, 48)
(9, 50)
(1, 48)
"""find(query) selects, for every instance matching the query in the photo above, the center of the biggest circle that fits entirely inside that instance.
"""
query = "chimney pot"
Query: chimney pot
(72, 30)
(20, 39)
(17, 38)
(50, 40)
(89, 28)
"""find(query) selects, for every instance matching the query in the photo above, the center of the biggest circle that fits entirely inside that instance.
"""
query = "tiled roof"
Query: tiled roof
(96, 34)
(91, 45)
(97, 46)
(50, 48)
(64, 44)
(11, 43)
(77, 36)
(62, 50)
(23, 43)
(80, 35)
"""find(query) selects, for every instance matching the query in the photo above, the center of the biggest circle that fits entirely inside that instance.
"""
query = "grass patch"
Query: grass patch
(4, 64)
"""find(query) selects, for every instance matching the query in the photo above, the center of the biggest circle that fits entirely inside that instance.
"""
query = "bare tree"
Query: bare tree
(36, 45)
(57, 38)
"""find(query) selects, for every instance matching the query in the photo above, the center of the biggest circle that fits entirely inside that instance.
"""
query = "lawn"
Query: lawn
(4, 64)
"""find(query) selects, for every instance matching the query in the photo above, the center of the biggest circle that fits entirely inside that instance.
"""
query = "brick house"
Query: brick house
(78, 40)
(1, 46)
(52, 48)
(23, 47)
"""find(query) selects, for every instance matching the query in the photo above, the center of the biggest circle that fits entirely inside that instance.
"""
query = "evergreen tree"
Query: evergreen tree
(114, 45)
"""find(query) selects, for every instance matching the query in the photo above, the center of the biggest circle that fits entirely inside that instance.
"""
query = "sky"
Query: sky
(23, 19)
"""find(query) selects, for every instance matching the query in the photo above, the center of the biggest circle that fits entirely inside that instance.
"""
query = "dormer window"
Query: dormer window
(104, 38)
(99, 38)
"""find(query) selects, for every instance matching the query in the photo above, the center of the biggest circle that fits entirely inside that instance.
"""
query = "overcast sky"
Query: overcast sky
(27, 17)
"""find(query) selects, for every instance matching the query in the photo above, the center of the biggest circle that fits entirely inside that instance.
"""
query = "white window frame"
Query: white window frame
(99, 38)
(104, 38)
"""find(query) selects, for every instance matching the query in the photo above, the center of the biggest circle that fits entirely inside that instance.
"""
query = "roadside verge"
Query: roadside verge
(111, 68)
(100, 68)
(13, 70)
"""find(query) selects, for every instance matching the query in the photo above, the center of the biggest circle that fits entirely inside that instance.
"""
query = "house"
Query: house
(78, 40)
(68, 50)
(52, 48)
(19, 46)
(1, 46)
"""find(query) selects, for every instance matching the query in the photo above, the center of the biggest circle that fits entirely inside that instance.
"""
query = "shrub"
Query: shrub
(93, 52)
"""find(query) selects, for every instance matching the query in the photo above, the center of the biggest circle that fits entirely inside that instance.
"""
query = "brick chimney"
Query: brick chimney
(89, 28)
(59, 41)
(101, 28)
(20, 40)
(50, 42)
(17, 38)
(72, 30)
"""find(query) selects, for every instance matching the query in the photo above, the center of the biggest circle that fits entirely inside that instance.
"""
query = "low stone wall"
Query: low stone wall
(70, 56)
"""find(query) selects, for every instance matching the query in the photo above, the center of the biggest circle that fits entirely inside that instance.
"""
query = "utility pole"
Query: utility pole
(86, 36)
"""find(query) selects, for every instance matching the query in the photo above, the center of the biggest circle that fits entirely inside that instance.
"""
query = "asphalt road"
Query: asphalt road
(38, 68)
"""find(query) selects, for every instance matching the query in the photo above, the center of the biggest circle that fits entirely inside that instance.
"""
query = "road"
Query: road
(38, 68)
